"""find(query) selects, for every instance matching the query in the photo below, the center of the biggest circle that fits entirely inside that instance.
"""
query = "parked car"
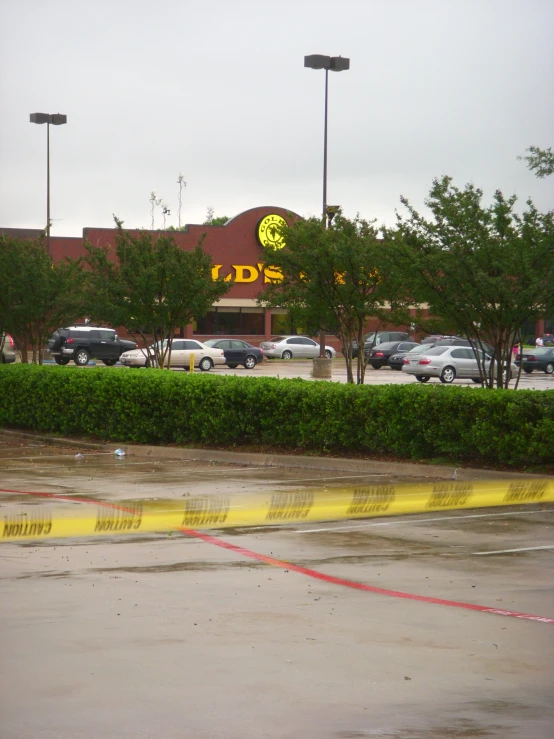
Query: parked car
(379, 356)
(433, 338)
(82, 343)
(548, 339)
(447, 363)
(293, 347)
(237, 352)
(458, 341)
(375, 338)
(541, 358)
(396, 361)
(205, 357)
(7, 355)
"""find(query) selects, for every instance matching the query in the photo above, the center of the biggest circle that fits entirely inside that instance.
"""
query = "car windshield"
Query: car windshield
(277, 338)
(210, 342)
(538, 352)
(419, 349)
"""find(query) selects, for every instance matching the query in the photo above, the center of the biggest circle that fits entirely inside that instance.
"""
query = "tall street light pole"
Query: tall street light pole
(335, 64)
(56, 119)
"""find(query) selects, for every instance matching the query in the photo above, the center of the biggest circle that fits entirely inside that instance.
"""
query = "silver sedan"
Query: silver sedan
(447, 363)
(294, 347)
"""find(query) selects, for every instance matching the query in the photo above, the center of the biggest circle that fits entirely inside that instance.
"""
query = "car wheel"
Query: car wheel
(328, 354)
(476, 380)
(549, 369)
(81, 357)
(448, 375)
(61, 360)
(206, 364)
(287, 355)
(147, 363)
(250, 362)
(232, 366)
(422, 378)
(398, 369)
(109, 362)
(527, 371)
(376, 366)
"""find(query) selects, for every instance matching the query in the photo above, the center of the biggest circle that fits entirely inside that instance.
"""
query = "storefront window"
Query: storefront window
(231, 322)
(206, 324)
(252, 321)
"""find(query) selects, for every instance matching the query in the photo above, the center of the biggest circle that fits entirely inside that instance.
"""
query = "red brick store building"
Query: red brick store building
(236, 252)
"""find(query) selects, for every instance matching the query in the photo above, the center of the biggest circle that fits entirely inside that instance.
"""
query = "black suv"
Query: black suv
(81, 343)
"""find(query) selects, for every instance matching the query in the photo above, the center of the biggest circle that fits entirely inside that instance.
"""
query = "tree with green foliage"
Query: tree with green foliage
(335, 278)
(151, 287)
(540, 161)
(483, 270)
(37, 295)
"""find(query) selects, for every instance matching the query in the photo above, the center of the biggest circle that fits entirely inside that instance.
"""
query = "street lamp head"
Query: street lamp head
(340, 63)
(57, 119)
(320, 61)
(39, 117)
(317, 61)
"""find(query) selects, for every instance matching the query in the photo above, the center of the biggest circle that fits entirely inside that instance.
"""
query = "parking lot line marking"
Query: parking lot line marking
(509, 551)
(418, 520)
(208, 538)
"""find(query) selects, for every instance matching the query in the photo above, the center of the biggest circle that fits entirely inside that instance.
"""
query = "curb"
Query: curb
(330, 464)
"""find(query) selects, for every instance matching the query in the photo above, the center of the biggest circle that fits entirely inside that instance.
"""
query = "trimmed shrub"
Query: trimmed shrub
(406, 421)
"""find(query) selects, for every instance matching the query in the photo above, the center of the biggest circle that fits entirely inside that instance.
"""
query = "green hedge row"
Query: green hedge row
(407, 421)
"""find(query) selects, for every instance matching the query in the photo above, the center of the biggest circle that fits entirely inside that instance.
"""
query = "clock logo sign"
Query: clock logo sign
(268, 231)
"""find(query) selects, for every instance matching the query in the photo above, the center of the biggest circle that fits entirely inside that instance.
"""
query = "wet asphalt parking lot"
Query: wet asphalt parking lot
(167, 636)
(303, 368)
(383, 376)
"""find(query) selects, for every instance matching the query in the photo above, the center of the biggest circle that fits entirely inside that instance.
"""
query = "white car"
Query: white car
(181, 350)
(293, 347)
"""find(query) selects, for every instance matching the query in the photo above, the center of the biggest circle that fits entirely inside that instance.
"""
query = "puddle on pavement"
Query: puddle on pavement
(57, 574)
(446, 732)
(202, 566)
(98, 540)
(196, 566)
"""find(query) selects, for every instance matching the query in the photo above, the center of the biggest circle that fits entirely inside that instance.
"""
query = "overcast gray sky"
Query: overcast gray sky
(217, 90)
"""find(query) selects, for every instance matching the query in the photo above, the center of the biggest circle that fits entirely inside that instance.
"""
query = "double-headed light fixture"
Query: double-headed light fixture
(56, 119)
(335, 64)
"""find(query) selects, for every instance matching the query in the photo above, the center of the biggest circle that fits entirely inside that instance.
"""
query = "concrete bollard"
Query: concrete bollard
(322, 368)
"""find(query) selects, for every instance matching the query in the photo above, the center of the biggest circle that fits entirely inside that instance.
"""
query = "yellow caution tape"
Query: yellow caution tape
(272, 509)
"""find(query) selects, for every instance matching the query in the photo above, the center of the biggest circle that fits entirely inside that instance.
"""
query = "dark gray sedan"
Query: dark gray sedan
(541, 358)
(237, 352)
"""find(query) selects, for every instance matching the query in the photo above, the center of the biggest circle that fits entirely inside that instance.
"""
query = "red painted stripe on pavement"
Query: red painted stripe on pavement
(209, 539)
(357, 585)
